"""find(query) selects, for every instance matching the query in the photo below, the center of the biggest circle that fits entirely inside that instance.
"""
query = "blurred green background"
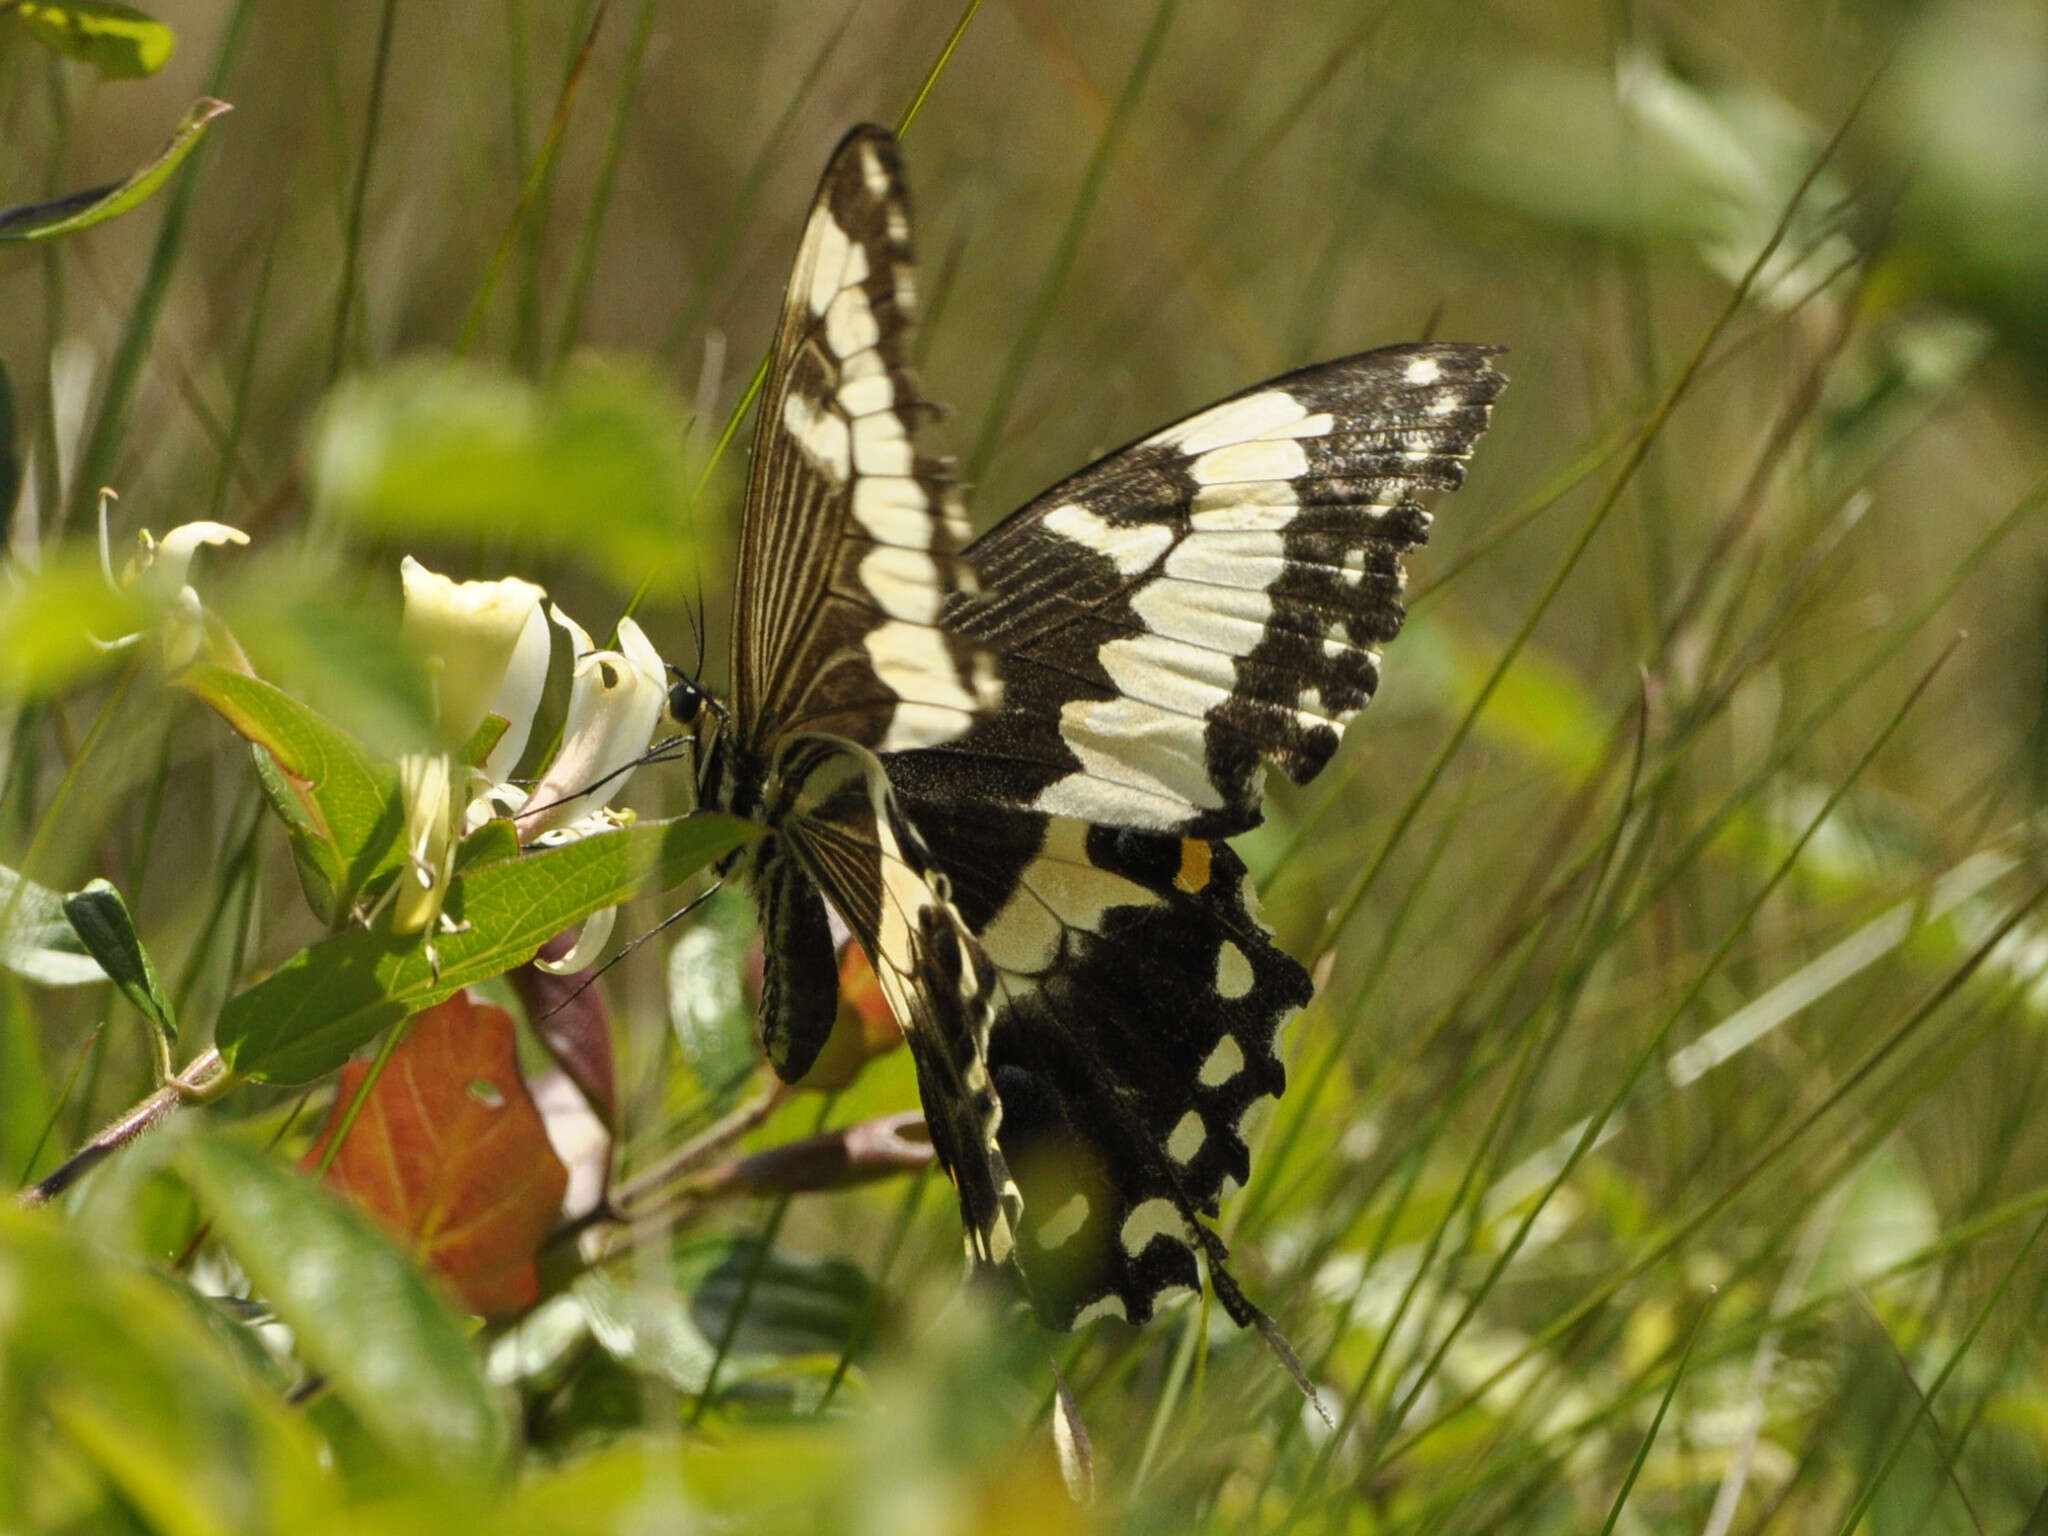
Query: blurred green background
(1665, 1143)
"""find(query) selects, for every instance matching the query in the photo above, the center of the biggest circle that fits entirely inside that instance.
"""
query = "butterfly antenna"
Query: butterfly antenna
(632, 944)
(670, 749)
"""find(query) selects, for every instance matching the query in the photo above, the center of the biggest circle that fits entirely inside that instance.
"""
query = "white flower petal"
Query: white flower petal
(468, 632)
(597, 931)
(615, 703)
(526, 678)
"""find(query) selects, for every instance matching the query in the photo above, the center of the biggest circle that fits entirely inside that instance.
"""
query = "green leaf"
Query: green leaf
(303, 1020)
(82, 210)
(339, 805)
(592, 466)
(134, 1406)
(37, 940)
(117, 40)
(360, 1312)
(101, 920)
(55, 625)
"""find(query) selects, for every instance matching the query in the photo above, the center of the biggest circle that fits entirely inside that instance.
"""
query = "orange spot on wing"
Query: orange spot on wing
(1194, 865)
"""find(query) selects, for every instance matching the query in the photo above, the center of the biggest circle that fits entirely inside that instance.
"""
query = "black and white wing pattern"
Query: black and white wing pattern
(837, 820)
(1008, 765)
(1209, 599)
(852, 536)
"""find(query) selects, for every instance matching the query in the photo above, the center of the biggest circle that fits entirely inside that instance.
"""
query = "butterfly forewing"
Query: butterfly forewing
(852, 535)
(1209, 599)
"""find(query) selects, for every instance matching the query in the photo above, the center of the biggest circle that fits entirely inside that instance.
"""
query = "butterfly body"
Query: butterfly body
(1008, 764)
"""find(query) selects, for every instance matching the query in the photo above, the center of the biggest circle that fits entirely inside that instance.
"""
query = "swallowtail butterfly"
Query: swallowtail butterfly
(1009, 763)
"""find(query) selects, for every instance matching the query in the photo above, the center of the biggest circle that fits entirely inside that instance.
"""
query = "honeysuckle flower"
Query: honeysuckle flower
(160, 573)
(426, 788)
(470, 633)
(487, 644)
(615, 702)
(162, 568)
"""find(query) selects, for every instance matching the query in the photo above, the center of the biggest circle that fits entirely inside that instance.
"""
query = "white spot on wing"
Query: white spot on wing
(1079, 892)
(1190, 680)
(1136, 746)
(1233, 975)
(1130, 547)
(1059, 1229)
(1102, 1306)
(873, 172)
(1261, 459)
(1157, 1217)
(1423, 370)
(903, 582)
(1187, 1138)
(831, 247)
(1024, 936)
(1254, 506)
(893, 510)
(880, 446)
(850, 323)
(822, 436)
(913, 662)
(1202, 614)
(1224, 1063)
(867, 395)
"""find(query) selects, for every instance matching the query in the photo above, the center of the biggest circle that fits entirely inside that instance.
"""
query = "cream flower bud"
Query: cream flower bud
(469, 633)
(426, 788)
(615, 703)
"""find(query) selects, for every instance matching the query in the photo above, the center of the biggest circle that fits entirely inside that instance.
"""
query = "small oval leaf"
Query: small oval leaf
(101, 920)
(82, 210)
(360, 1312)
(117, 40)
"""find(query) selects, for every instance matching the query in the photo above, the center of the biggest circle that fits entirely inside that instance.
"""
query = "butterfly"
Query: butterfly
(1009, 764)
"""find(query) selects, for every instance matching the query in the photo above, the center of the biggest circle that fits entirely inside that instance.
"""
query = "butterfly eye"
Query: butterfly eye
(685, 701)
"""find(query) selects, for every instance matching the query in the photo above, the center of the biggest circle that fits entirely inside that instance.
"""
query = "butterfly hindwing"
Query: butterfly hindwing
(836, 814)
(1210, 598)
(852, 538)
(1138, 1007)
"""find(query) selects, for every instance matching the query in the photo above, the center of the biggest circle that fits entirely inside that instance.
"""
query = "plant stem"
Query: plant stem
(204, 1079)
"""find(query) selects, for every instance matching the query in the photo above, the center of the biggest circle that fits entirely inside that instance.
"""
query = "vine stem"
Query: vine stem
(206, 1078)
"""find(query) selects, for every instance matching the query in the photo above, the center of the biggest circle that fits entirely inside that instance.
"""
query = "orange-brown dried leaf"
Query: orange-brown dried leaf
(450, 1154)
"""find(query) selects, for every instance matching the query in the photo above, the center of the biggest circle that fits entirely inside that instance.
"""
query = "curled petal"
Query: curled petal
(597, 931)
(615, 702)
(526, 678)
(164, 565)
(468, 632)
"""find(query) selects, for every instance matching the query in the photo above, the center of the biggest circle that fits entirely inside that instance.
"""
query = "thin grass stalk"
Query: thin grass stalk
(1598, 1122)
(1675, 1234)
(1924, 1406)
(533, 193)
(1011, 376)
(1638, 449)
(245, 386)
(359, 192)
(585, 270)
